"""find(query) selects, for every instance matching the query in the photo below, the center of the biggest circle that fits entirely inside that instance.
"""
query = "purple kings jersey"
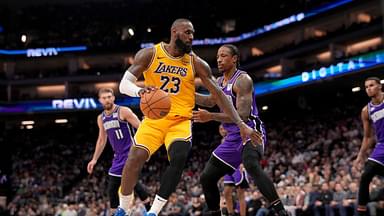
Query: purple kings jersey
(230, 150)
(376, 115)
(120, 136)
(253, 120)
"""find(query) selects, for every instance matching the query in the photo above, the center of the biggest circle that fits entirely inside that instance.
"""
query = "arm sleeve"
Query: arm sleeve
(127, 85)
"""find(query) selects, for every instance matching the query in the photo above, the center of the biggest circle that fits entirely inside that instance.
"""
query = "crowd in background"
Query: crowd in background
(309, 160)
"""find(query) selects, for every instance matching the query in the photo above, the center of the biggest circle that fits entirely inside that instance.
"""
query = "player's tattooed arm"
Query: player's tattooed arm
(204, 100)
(244, 95)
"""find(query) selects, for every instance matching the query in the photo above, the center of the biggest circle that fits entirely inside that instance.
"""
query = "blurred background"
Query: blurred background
(308, 60)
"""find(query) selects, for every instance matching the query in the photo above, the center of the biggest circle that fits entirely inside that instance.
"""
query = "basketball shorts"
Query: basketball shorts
(238, 179)
(152, 134)
(377, 154)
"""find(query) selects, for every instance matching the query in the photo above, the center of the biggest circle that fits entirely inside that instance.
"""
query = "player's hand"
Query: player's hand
(90, 166)
(248, 133)
(358, 163)
(147, 89)
(201, 115)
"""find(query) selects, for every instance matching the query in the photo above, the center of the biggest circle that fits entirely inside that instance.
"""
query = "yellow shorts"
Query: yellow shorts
(152, 134)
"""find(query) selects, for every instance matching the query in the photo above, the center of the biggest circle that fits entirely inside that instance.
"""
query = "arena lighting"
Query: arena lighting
(149, 30)
(131, 32)
(29, 127)
(112, 85)
(274, 69)
(61, 121)
(356, 89)
(361, 45)
(324, 56)
(40, 52)
(28, 122)
(23, 38)
(382, 81)
(364, 18)
(319, 33)
(256, 51)
(266, 28)
(51, 90)
(264, 107)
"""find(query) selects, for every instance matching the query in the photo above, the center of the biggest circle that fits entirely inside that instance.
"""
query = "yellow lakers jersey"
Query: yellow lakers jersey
(174, 75)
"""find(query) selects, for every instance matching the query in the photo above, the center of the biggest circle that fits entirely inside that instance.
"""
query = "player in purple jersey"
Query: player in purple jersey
(115, 123)
(238, 87)
(372, 117)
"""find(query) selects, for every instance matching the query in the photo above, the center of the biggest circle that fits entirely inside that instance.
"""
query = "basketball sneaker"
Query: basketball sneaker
(120, 212)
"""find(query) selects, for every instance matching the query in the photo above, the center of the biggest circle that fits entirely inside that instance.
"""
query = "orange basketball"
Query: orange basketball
(155, 104)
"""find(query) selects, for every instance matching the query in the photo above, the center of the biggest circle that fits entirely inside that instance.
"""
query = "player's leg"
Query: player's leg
(213, 171)
(228, 190)
(131, 172)
(241, 186)
(241, 197)
(148, 138)
(371, 169)
(113, 192)
(142, 193)
(178, 154)
(251, 160)
(178, 144)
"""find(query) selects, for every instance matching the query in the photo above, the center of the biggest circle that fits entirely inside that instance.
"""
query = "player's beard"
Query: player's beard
(108, 107)
(185, 48)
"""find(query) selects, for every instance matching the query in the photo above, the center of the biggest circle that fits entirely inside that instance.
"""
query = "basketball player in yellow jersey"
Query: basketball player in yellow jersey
(171, 67)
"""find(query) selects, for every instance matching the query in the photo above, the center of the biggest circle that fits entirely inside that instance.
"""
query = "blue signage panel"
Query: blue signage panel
(68, 104)
(40, 52)
(348, 66)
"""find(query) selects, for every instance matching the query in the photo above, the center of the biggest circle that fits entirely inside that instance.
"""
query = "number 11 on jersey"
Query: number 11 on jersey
(119, 134)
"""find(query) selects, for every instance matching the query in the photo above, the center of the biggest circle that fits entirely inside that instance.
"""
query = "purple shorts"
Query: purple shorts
(236, 178)
(118, 165)
(377, 154)
(231, 149)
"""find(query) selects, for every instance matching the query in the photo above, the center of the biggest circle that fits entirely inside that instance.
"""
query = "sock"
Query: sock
(158, 204)
(126, 201)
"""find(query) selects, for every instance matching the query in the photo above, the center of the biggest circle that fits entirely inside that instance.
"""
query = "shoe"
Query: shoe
(120, 212)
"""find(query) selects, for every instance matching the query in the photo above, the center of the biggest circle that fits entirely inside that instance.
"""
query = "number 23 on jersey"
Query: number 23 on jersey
(170, 84)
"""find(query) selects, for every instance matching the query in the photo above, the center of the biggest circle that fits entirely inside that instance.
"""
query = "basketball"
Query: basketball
(155, 104)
